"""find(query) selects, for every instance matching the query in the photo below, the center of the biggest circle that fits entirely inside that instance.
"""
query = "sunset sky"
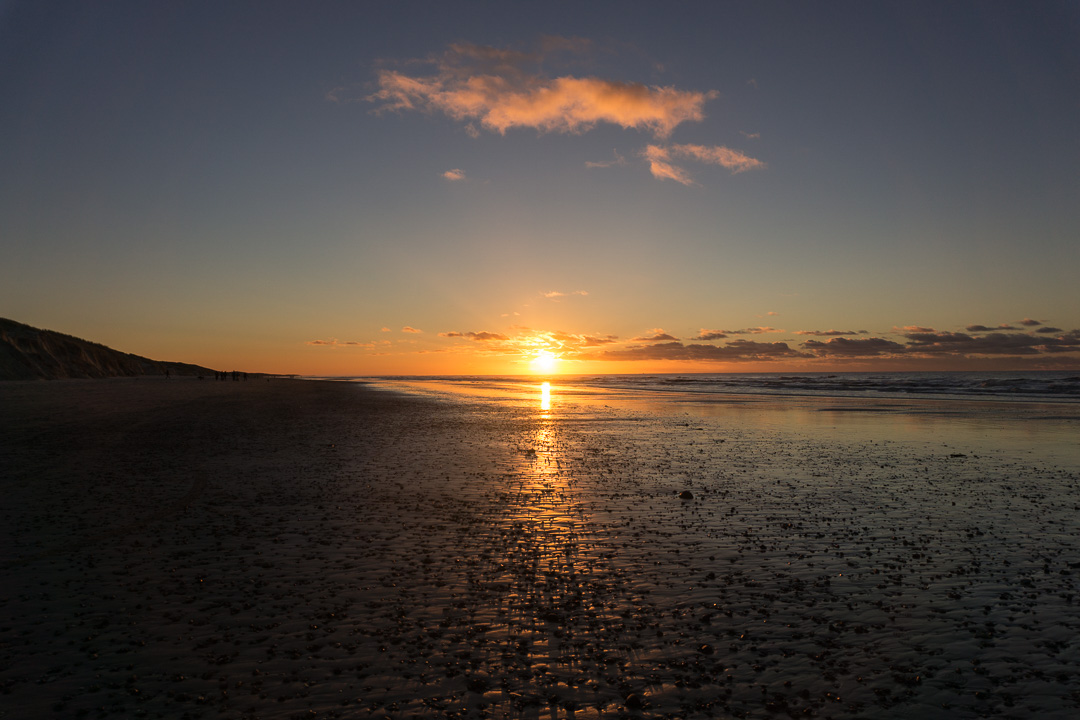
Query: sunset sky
(356, 188)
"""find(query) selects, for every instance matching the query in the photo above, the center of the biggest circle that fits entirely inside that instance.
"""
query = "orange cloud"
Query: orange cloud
(555, 294)
(521, 344)
(454, 174)
(409, 329)
(718, 155)
(753, 331)
(482, 336)
(655, 335)
(334, 342)
(564, 342)
(830, 333)
(525, 343)
(660, 166)
(734, 351)
(492, 87)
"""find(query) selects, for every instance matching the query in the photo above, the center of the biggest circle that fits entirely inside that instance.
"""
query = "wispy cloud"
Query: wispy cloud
(555, 294)
(618, 161)
(663, 168)
(482, 336)
(655, 335)
(924, 342)
(753, 331)
(498, 90)
(830, 333)
(725, 157)
(844, 347)
(593, 341)
(953, 343)
(564, 342)
(821, 348)
(734, 351)
(983, 328)
(1028, 322)
(409, 329)
(524, 343)
(504, 89)
(334, 342)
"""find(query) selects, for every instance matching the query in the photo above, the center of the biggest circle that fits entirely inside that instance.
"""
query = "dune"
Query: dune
(29, 353)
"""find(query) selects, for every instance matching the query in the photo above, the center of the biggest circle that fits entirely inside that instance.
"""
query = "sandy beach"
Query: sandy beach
(292, 549)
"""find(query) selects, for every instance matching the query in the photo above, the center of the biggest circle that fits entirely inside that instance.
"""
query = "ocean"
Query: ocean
(1040, 386)
(1018, 414)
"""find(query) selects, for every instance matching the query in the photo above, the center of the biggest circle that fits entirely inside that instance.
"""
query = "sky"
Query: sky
(372, 188)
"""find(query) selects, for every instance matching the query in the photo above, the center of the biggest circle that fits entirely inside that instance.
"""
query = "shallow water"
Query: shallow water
(1048, 430)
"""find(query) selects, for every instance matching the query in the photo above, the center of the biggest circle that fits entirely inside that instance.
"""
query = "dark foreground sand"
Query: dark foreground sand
(294, 549)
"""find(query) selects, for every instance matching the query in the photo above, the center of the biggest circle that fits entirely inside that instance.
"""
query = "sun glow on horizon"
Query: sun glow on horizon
(544, 362)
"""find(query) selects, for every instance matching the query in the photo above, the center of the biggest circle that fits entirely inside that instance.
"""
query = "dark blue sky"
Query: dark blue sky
(223, 182)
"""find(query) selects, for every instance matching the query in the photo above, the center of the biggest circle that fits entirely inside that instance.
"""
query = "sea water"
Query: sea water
(1034, 414)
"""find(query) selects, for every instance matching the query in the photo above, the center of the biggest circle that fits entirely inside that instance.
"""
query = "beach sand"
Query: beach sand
(294, 549)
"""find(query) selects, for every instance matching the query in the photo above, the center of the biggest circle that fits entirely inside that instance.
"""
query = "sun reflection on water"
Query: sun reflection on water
(545, 396)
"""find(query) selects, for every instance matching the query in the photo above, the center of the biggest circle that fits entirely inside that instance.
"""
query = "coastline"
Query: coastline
(274, 548)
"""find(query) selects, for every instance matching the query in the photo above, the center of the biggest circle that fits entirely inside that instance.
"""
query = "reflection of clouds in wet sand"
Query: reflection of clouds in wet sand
(378, 554)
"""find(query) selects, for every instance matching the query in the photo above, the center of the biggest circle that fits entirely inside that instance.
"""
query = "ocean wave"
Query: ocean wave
(1048, 385)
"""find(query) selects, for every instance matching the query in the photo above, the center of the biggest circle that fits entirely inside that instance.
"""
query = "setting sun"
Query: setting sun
(544, 362)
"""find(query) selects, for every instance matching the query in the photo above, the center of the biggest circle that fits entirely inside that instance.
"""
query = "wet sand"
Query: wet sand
(293, 549)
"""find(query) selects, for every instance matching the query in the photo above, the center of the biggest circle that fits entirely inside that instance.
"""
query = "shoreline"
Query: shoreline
(271, 549)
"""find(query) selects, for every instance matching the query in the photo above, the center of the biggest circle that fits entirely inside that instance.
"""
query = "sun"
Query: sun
(544, 362)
